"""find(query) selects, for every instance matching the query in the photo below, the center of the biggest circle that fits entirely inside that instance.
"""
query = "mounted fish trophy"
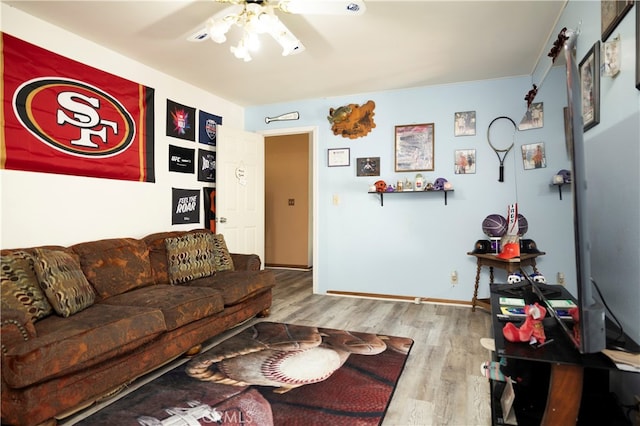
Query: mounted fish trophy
(352, 121)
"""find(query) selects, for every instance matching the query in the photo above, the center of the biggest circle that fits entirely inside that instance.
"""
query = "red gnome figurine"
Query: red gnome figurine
(531, 330)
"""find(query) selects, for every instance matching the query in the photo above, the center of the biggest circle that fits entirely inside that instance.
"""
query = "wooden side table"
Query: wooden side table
(509, 265)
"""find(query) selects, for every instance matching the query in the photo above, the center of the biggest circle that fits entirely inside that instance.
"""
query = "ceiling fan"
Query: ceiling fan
(259, 17)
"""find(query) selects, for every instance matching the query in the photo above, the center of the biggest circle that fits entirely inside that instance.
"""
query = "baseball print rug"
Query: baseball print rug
(272, 374)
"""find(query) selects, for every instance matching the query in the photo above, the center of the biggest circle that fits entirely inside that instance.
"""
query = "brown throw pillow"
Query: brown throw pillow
(19, 287)
(189, 256)
(222, 257)
(62, 281)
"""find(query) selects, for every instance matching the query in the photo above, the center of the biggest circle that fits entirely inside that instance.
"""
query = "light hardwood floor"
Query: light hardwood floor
(441, 383)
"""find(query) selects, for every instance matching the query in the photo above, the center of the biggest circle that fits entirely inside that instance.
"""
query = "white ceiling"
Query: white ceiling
(394, 45)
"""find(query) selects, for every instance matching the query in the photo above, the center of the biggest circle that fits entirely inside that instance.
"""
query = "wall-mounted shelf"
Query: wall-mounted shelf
(382, 194)
(559, 185)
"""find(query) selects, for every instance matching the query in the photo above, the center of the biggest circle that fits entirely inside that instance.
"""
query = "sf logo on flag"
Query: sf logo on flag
(74, 117)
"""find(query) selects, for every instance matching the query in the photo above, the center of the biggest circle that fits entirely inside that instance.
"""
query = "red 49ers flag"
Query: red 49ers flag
(61, 116)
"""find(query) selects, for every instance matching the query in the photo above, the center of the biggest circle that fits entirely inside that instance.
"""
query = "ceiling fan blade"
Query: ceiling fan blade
(323, 7)
(217, 25)
(285, 38)
(200, 34)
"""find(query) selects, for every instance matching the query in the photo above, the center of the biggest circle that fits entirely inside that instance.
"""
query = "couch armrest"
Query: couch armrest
(15, 327)
(246, 262)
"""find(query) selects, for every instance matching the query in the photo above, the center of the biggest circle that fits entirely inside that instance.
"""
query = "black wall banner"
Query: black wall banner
(208, 127)
(181, 121)
(181, 159)
(206, 165)
(210, 208)
(185, 206)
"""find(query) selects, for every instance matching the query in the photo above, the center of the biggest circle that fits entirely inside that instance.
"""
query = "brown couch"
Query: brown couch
(132, 321)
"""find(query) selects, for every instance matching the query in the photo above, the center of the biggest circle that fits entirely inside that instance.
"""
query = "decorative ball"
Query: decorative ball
(438, 185)
(523, 225)
(537, 277)
(381, 186)
(566, 175)
(494, 225)
(514, 278)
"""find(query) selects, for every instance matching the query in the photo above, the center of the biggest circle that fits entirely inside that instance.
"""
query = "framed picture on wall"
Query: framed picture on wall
(464, 123)
(368, 166)
(533, 156)
(590, 86)
(414, 147)
(611, 13)
(465, 161)
(338, 157)
(533, 118)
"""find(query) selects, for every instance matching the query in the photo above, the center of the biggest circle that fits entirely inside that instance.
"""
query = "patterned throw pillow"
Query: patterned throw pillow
(19, 287)
(222, 257)
(189, 256)
(62, 281)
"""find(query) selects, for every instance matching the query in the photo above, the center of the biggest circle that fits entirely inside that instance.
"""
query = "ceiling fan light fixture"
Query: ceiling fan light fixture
(218, 36)
(264, 21)
(220, 23)
(241, 51)
(258, 17)
(251, 41)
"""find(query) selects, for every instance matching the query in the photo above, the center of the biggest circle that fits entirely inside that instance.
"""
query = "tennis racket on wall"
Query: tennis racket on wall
(501, 136)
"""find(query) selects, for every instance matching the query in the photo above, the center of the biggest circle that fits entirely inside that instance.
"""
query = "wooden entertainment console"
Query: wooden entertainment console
(558, 376)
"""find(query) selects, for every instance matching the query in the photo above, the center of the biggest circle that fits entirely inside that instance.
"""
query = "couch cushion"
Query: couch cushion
(222, 257)
(65, 345)
(236, 286)
(158, 255)
(19, 288)
(61, 278)
(114, 266)
(179, 305)
(189, 256)
(158, 252)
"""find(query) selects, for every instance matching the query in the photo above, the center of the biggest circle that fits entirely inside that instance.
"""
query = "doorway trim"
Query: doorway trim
(312, 131)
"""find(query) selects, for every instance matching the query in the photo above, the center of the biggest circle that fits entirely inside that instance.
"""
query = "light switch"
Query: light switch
(336, 199)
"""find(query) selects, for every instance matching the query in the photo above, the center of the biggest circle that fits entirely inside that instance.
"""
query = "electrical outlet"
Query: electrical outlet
(561, 278)
(454, 277)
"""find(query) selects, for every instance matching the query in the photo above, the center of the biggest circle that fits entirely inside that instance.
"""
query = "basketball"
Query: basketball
(523, 225)
(494, 225)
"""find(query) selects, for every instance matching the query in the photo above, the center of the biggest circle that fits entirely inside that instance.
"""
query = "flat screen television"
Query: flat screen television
(588, 332)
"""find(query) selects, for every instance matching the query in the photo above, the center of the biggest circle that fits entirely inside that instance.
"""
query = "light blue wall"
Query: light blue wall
(410, 246)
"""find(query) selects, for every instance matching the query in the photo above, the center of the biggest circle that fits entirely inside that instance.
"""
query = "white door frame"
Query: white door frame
(313, 132)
